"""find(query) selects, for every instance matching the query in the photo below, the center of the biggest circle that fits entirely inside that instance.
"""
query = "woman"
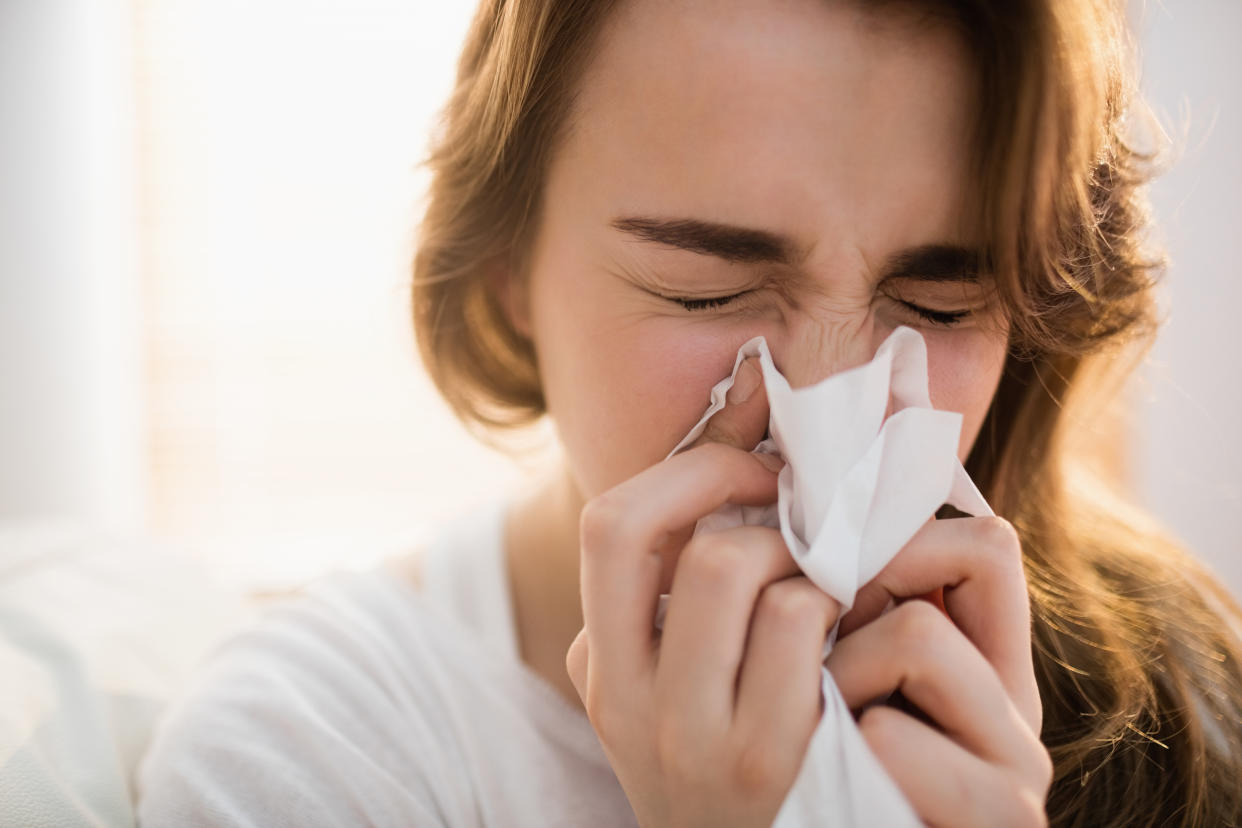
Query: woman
(624, 193)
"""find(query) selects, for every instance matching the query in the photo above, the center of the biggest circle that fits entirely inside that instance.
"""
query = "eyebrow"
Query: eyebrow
(936, 263)
(724, 241)
(744, 245)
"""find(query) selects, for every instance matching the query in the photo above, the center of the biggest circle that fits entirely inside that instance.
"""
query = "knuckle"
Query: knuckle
(760, 768)
(713, 560)
(918, 625)
(998, 533)
(1000, 550)
(600, 519)
(793, 602)
(879, 726)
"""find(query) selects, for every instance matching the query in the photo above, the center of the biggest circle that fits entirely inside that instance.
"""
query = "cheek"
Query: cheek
(964, 369)
(623, 393)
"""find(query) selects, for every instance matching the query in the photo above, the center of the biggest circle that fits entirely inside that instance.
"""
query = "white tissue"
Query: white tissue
(856, 487)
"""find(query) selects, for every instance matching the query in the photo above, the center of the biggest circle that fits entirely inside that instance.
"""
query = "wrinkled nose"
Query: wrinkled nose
(818, 347)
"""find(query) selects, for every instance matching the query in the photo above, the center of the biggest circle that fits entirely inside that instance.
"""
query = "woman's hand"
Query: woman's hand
(980, 762)
(706, 724)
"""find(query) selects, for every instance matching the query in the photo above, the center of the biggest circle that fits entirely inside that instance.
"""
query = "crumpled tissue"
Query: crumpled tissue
(855, 489)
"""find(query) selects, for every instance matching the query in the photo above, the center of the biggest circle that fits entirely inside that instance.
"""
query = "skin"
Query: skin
(848, 134)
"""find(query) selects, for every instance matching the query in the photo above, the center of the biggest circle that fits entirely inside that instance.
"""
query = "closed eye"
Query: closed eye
(936, 317)
(705, 304)
(928, 314)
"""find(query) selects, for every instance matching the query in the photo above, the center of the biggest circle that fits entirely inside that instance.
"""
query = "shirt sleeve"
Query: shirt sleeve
(293, 724)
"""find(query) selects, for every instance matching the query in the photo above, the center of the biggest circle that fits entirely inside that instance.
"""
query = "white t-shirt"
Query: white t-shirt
(369, 702)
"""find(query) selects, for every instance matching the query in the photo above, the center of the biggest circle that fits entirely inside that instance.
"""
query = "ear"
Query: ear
(510, 289)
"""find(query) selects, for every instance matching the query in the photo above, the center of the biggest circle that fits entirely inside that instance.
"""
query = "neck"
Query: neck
(541, 548)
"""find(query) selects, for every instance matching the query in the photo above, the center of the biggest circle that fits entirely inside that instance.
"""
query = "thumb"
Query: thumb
(576, 659)
(744, 419)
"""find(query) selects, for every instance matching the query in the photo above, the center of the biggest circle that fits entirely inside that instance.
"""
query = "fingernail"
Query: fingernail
(771, 461)
(745, 383)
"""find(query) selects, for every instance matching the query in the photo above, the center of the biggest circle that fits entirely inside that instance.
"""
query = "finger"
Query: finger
(978, 562)
(944, 783)
(918, 651)
(779, 696)
(576, 663)
(609, 720)
(719, 578)
(744, 419)
(742, 424)
(623, 531)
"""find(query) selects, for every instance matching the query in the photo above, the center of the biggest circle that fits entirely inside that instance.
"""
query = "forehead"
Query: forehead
(812, 117)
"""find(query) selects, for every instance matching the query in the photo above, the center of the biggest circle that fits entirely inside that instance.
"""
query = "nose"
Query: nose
(817, 347)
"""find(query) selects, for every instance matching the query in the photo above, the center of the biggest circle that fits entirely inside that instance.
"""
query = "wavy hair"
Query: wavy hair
(1136, 646)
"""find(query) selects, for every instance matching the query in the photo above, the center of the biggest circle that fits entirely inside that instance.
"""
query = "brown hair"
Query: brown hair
(1136, 647)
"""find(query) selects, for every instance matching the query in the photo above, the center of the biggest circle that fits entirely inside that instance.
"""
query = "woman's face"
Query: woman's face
(809, 159)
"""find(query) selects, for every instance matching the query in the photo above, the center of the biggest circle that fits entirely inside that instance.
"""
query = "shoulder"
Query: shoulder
(316, 715)
(407, 568)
